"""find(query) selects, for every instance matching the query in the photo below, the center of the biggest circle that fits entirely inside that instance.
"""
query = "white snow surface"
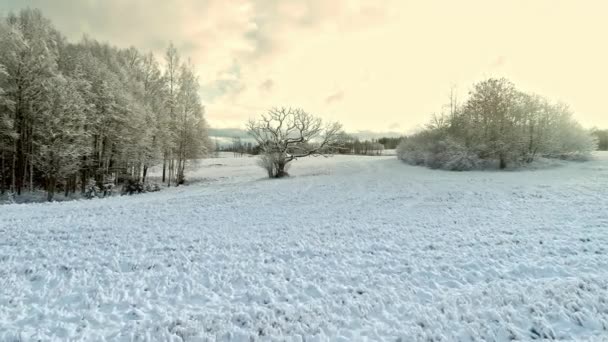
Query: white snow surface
(347, 249)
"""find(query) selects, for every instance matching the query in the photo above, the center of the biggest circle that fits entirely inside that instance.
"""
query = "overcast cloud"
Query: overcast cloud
(373, 65)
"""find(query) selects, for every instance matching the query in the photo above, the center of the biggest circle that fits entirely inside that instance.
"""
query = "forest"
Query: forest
(82, 117)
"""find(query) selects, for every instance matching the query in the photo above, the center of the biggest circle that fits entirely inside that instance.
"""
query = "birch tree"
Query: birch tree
(172, 68)
(28, 50)
(191, 128)
(7, 133)
(127, 114)
(59, 136)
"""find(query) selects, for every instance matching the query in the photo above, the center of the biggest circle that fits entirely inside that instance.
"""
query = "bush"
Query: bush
(133, 186)
(456, 157)
(270, 163)
(445, 153)
(266, 161)
(151, 187)
(91, 190)
(574, 143)
(108, 185)
(7, 198)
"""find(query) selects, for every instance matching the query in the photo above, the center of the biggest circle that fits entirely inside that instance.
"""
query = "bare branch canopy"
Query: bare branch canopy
(285, 134)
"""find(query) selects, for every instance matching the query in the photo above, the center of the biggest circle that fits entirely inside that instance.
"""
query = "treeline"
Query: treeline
(390, 143)
(372, 147)
(497, 126)
(602, 138)
(349, 145)
(240, 148)
(352, 145)
(75, 113)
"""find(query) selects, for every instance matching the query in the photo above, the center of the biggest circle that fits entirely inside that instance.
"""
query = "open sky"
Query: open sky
(379, 65)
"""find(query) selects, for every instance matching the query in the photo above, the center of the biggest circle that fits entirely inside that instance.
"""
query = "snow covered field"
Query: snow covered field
(349, 249)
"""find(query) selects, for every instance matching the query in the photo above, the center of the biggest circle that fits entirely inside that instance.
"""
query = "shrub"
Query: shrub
(108, 185)
(573, 143)
(91, 189)
(151, 187)
(270, 162)
(7, 198)
(133, 186)
(446, 154)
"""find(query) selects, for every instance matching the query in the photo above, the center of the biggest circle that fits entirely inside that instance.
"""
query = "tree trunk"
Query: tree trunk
(13, 181)
(83, 181)
(164, 168)
(74, 181)
(52, 182)
(20, 167)
(2, 168)
(503, 162)
(68, 183)
(31, 176)
(181, 167)
(280, 170)
(170, 172)
(145, 172)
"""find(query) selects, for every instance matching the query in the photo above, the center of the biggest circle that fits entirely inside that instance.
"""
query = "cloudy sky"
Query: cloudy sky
(373, 65)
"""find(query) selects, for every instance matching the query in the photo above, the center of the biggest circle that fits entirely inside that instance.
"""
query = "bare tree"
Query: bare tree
(285, 134)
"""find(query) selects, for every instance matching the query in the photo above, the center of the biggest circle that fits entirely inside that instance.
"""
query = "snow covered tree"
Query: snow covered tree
(28, 51)
(153, 84)
(7, 133)
(567, 139)
(285, 134)
(130, 115)
(191, 138)
(497, 123)
(172, 68)
(490, 111)
(60, 138)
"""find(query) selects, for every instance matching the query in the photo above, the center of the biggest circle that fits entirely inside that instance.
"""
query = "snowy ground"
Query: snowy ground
(348, 249)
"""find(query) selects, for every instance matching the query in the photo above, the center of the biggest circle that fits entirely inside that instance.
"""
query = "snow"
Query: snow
(347, 249)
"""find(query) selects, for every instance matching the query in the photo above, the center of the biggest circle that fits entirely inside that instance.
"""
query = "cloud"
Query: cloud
(498, 62)
(227, 82)
(267, 85)
(336, 97)
(390, 56)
